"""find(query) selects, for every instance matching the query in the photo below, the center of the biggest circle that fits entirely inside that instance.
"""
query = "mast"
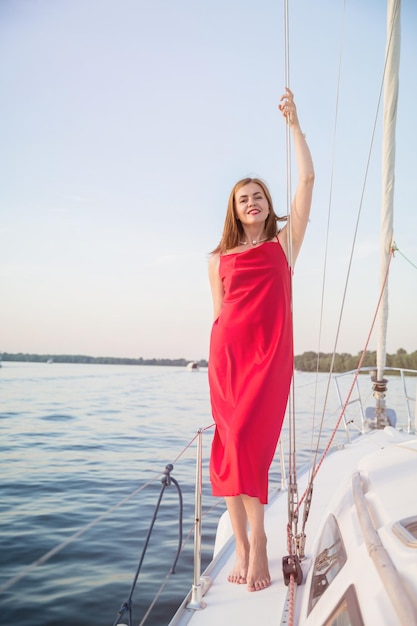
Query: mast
(392, 65)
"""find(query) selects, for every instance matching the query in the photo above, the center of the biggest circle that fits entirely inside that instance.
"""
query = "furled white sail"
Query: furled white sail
(388, 165)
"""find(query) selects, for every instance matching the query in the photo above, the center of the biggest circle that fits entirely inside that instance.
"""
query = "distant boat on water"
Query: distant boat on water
(193, 366)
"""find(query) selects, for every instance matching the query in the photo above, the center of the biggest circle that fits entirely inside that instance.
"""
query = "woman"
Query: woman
(251, 349)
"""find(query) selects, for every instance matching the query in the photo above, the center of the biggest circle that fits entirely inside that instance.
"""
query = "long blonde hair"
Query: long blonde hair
(233, 230)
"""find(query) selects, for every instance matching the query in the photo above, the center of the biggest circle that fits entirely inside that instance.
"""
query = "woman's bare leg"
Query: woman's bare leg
(251, 564)
(258, 571)
(239, 520)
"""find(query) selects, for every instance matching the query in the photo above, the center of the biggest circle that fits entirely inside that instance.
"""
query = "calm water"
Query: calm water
(76, 440)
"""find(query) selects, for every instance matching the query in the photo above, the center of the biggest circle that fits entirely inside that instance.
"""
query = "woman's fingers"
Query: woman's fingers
(287, 105)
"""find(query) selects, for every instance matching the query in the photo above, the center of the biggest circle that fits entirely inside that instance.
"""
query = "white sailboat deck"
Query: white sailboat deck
(381, 457)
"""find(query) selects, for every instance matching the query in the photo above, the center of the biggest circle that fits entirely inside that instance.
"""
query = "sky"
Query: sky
(124, 125)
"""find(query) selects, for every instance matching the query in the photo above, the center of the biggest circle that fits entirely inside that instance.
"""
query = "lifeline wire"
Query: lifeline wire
(51, 553)
(46, 557)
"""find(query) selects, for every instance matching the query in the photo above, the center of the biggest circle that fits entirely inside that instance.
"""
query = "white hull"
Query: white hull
(387, 464)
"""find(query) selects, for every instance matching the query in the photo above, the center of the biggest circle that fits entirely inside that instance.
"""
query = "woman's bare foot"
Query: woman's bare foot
(238, 574)
(258, 572)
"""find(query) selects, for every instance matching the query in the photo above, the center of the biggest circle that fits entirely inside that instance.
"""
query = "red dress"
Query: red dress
(250, 369)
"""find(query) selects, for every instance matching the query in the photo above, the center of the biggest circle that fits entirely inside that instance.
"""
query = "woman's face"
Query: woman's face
(251, 204)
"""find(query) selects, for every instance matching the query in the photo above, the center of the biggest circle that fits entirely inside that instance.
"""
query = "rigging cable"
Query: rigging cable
(290, 563)
(309, 492)
(329, 211)
(333, 434)
(314, 467)
(292, 470)
(403, 255)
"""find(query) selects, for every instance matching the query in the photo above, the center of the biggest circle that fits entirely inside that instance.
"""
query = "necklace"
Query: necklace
(253, 242)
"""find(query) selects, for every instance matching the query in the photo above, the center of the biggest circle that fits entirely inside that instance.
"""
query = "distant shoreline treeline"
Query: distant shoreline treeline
(96, 360)
(306, 362)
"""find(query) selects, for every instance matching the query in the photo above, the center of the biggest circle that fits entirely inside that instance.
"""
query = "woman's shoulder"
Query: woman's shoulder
(214, 269)
(214, 262)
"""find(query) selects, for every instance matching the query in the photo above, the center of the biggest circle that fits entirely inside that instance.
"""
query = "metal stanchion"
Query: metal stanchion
(200, 584)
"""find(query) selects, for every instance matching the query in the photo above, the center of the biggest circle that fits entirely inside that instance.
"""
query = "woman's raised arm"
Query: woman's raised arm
(300, 209)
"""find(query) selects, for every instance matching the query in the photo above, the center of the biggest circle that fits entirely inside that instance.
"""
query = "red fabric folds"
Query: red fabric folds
(250, 369)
